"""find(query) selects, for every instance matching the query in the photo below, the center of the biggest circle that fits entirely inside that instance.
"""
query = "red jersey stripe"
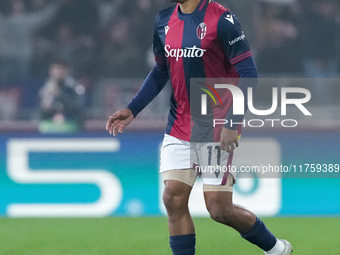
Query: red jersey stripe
(174, 37)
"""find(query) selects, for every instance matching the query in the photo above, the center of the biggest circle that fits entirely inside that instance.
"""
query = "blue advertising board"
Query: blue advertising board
(94, 175)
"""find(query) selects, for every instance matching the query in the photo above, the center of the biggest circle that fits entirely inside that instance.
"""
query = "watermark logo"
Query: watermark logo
(204, 100)
(239, 103)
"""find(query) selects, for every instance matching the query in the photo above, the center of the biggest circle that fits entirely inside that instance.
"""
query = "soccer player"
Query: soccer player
(198, 39)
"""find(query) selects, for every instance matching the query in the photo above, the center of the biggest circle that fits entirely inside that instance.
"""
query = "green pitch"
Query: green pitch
(149, 236)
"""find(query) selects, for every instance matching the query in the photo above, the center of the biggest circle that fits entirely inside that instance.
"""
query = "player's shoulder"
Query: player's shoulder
(165, 14)
(167, 11)
(221, 14)
(228, 20)
(217, 8)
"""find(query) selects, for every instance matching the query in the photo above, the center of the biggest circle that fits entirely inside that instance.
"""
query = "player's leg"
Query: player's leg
(175, 197)
(218, 195)
(221, 208)
(178, 185)
(178, 179)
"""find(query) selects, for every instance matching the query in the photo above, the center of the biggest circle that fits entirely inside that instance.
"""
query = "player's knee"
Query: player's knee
(175, 202)
(172, 201)
(221, 214)
(167, 199)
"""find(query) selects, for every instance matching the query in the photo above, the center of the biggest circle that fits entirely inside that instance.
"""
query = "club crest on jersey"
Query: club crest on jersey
(201, 30)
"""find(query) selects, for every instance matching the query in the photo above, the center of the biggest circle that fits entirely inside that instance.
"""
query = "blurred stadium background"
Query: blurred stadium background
(89, 174)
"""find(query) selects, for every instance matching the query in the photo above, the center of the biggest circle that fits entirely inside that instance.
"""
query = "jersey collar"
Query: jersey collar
(199, 9)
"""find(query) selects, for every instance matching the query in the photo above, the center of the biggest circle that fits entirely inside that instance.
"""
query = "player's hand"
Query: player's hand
(118, 121)
(229, 139)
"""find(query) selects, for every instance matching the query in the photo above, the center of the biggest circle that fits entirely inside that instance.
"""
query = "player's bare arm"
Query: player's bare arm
(119, 121)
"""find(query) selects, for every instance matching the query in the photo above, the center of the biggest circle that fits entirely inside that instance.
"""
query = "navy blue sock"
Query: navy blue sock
(183, 245)
(260, 236)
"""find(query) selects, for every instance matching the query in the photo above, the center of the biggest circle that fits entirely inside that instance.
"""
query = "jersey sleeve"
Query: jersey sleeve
(247, 71)
(155, 81)
(158, 49)
(232, 39)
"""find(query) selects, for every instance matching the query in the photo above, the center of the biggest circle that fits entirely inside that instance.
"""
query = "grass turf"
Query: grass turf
(149, 236)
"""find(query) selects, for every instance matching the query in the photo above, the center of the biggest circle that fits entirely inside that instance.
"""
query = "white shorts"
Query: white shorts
(207, 159)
